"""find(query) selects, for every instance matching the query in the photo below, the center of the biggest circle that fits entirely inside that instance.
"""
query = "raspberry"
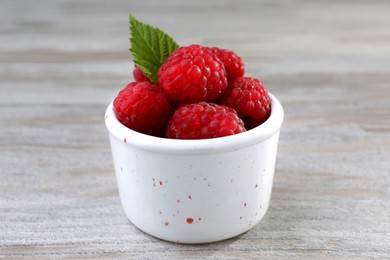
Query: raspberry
(139, 75)
(204, 120)
(192, 74)
(233, 63)
(143, 107)
(250, 99)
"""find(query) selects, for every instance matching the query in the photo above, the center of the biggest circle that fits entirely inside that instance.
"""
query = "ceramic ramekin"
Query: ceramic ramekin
(195, 191)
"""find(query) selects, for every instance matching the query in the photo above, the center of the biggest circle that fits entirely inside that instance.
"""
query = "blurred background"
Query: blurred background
(88, 40)
(328, 62)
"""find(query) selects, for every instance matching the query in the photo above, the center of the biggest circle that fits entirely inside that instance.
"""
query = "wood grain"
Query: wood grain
(328, 62)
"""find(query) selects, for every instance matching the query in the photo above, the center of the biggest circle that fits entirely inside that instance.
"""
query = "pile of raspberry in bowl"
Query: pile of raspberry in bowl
(188, 92)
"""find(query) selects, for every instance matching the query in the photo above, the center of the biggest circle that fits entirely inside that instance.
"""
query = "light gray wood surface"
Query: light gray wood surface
(328, 62)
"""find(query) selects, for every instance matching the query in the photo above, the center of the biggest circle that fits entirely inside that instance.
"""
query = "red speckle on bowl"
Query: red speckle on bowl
(189, 196)
(189, 220)
(124, 140)
(160, 183)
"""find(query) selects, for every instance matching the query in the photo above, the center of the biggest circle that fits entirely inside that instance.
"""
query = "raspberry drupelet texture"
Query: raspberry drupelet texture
(250, 99)
(193, 74)
(143, 107)
(233, 63)
(204, 120)
(139, 75)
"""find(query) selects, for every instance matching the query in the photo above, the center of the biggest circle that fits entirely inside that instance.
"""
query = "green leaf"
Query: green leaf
(150, 47)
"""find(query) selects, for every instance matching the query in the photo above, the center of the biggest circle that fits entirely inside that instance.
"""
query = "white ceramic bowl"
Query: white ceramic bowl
(195, 191)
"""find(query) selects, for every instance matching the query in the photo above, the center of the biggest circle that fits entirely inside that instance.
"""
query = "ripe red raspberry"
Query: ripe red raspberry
(233, 63)
(139, 75)
(250, 99)
(143, 107)
(192, 74)
(204, 120)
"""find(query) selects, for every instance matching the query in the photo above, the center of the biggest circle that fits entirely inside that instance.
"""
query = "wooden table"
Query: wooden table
(61, 62)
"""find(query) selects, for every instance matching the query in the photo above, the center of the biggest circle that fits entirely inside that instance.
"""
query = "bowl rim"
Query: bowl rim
(159, 144)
